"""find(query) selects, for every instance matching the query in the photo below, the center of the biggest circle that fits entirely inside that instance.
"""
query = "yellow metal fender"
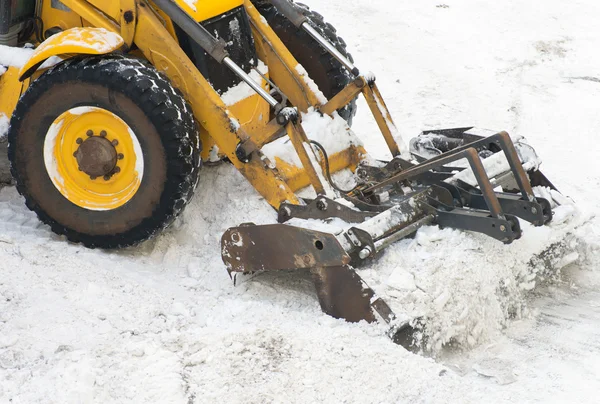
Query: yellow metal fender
(74, 41)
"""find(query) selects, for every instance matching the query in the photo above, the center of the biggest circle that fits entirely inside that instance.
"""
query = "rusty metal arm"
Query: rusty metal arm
(476, 164)
(303, 148)
(501, 139)
(382, 116)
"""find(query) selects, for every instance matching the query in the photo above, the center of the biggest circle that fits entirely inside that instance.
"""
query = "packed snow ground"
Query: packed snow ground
(163, 323)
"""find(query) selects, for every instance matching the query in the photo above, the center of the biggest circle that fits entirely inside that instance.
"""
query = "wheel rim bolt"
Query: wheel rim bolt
(90, 133)
(121, 156)
(79, 140)
(115, 142)
(117, 169)
(92, 177)
(106, 177)
(103, 133)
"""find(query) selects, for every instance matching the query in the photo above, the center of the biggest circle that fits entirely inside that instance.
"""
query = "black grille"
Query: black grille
(234, 28)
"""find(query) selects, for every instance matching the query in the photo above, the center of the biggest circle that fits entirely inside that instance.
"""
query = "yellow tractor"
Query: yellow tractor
(118, 103)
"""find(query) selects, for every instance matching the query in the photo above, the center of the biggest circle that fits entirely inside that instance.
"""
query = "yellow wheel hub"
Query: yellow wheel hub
(93, 158)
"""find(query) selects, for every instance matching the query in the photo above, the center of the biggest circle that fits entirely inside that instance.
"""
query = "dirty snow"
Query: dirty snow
(163, 323)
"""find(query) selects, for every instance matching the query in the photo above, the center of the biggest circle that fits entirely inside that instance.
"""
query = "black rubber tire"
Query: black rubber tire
(324, 69)
(158, 115)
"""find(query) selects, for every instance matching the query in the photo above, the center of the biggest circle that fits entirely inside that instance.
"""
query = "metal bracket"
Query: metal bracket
(538, 212)
(322, 208)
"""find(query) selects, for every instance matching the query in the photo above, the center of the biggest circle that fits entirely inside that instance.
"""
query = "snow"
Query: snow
(311, 84)
(191, 4)
(242, 91)
(100, 40)
(16, 57)
(333, 133)
(163, 323)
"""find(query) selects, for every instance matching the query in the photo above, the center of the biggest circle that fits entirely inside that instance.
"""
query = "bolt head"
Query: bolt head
(115, 142)
(120, 156)
(502, 228)
(103, 133)
(90, 133)
(106, 177)
(321, 205)
(117, 169)
(79, 140)
(534, 210)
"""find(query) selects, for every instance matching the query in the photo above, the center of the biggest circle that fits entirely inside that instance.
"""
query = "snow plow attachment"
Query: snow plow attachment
(465, 178)
(390, 203)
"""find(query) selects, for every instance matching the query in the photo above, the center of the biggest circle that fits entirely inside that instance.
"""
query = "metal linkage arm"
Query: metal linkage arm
(501, 139)
(476, 164)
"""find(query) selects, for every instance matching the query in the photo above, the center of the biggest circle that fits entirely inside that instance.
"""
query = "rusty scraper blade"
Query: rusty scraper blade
(341, 291)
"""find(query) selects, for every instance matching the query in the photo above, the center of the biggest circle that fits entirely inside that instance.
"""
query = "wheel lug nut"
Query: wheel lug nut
(79, 140)
(92, 177)
(106, 177)
(121, 156)
(117, 169)
(90, 133)
(103, 133)
(115, 142)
